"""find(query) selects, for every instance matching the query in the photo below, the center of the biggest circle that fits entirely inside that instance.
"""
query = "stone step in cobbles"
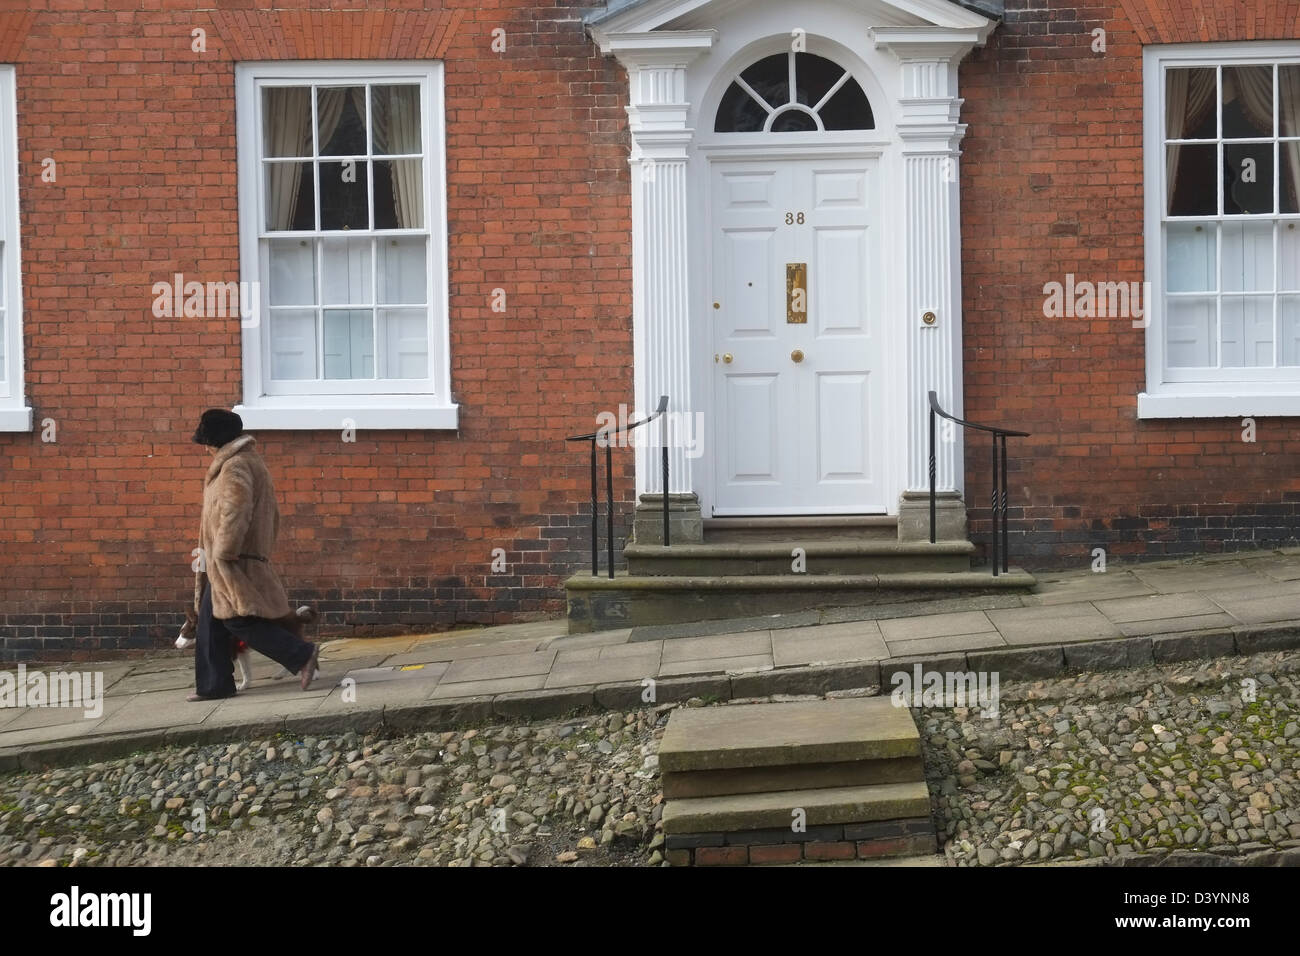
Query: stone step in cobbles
(794, 782)
(788, 734)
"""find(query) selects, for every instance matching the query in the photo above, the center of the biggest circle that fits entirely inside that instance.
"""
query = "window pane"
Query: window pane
(770, 78)
(794, 121)
(1288, 237)
(290, 197)
(1288, 94)
(1247, 101)
(814, 77)
(1288, 317)
(1190, 104)
(344, 195)
(406, 334)
(1247, 256)
(1190, 333)
(1190, 258)
(1289, 193)
(848, 109)
(293, 272)
(349, 344)
(345, 272)
(402, 266)
(739, 112)
(340, 121)
(399, 194)
(395, 120)
(1192, 187)
(293, 344)
(1247, 330)
(1247, 178)
(286, 121)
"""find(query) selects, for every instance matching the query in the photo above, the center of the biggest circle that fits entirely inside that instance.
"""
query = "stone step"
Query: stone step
(774, 811)
(813, 776)
(794, 556)
(602, 603)
(820, 527)
(803, 781)
(746, 736)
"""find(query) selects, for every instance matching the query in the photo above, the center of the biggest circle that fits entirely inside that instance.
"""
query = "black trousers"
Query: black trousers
(214, 665)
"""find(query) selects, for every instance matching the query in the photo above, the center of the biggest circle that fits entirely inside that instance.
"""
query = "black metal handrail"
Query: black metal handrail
(607, 436)
(1000, 436)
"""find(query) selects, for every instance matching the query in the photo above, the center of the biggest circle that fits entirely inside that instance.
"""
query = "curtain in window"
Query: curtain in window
(329, 111)
(1289, 125)
(397, 126)
(1189, 96)
(1254, 88)
(288, 126)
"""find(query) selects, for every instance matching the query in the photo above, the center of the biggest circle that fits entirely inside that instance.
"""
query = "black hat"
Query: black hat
(218, 426)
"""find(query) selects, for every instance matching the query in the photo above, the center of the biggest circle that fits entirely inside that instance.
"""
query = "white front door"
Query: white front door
(796, 371)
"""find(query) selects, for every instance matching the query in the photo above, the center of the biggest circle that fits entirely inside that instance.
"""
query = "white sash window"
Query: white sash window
(343, 233)
(1223, 230)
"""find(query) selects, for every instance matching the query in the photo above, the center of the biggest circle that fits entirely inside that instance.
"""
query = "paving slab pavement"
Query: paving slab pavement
(1176, 610)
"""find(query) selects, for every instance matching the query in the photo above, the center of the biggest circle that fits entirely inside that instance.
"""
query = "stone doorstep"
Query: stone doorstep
(597, 604)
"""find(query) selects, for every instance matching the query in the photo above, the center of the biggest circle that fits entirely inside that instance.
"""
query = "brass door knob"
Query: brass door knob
(797, 355)
(726, 357)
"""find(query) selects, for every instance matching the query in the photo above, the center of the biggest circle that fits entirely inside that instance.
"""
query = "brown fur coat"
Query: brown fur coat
(238, 527)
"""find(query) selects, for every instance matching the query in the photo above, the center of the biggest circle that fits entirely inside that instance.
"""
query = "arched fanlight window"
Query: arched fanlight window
(794, 93)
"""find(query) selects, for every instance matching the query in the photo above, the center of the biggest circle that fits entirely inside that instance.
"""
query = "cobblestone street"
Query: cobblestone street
(1099, 766)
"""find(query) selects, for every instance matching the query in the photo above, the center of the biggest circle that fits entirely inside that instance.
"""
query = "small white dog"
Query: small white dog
(295, 621)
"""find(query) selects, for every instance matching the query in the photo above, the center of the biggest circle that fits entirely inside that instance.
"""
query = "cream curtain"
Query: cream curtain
(1189, 96)
(1289, 122)
(288, 133)
(1253, 86)
(288, 123)
(397, 132)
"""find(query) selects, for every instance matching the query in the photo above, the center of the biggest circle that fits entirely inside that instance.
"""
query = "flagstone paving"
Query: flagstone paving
(1208, 605)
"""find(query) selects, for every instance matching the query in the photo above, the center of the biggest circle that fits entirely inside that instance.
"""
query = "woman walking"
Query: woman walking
(237, 594)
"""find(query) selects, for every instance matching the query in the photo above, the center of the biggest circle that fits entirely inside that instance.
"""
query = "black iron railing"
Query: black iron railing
(1000, 545)
(608, 438)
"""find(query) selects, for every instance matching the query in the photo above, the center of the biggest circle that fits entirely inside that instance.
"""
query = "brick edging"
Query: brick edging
(1012, 663)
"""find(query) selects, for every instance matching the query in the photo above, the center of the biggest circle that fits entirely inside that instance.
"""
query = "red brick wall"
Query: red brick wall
(399, 527)
(1052, 184)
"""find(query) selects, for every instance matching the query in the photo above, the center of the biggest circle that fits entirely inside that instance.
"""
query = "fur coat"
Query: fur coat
(237, 531)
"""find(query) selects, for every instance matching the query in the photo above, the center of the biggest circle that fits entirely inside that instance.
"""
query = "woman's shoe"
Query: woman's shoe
(308, 672)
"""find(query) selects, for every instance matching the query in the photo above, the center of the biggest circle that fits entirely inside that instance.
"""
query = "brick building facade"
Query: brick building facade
(131, 162)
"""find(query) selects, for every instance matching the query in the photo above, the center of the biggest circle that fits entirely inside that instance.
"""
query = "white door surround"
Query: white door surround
(681, 56)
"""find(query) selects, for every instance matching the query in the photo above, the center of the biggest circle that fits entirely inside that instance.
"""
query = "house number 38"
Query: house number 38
(793, 217)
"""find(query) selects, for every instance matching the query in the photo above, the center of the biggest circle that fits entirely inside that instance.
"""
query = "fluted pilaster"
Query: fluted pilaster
(661, 325)
(930, 134)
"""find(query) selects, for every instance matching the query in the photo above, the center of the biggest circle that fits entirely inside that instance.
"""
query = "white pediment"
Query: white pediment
(643, 16)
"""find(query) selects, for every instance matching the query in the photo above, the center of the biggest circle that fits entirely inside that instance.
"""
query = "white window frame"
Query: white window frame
(15, 415)
(432, 409)
(1221, 399)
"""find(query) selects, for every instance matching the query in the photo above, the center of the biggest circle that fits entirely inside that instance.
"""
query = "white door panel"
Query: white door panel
(795, 437)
